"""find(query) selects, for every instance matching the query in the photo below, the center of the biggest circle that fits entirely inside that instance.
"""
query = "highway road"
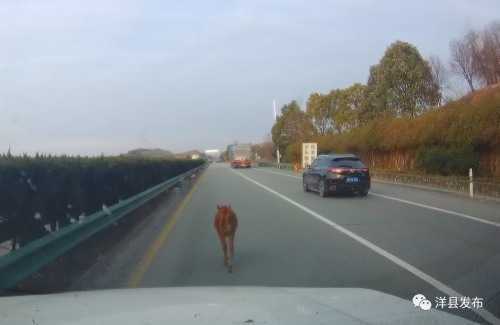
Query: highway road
(398, 240)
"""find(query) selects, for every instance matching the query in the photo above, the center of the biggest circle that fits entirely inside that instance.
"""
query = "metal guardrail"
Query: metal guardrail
(19, 264)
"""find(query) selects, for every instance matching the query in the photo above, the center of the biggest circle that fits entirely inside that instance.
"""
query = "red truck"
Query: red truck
(241, 163)
(240, 155)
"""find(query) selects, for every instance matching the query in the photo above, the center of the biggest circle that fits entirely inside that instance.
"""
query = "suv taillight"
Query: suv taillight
(340, 170)
(337, 170)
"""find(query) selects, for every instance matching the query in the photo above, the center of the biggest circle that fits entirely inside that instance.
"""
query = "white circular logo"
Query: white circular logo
(417, 299)
(425, 304)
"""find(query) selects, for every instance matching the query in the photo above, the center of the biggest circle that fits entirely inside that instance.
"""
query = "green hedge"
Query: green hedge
(447, 161)
(43, 190)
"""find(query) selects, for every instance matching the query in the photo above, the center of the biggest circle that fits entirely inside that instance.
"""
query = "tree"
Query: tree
(264, 150)
(351, 101)
(462, 62)
(376, 102)
(491, 51)
(485, 49)
(318, 109)
(439, 74)
(292, 127)
(333, 99)
(476, 56)
(402, 83)
(278, 136)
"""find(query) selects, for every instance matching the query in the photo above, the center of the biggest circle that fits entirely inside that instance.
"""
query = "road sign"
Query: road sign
(309, 153)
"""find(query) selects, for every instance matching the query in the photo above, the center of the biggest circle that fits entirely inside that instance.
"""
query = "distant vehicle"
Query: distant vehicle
(240, 155)
(241, 163)
(337, 173)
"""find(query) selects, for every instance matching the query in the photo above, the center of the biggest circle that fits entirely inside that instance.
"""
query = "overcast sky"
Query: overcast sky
(92, 76)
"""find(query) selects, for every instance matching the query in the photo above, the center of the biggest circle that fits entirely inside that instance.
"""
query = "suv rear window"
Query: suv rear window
(347, 162)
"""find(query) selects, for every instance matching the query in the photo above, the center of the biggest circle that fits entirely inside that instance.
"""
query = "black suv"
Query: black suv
(337, 173)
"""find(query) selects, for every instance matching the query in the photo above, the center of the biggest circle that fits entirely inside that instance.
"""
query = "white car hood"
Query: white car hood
(218, 305)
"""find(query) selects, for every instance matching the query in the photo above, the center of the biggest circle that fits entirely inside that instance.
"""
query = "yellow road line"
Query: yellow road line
(138, 274)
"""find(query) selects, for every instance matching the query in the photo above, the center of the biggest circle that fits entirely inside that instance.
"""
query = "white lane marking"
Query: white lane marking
(463, 215)
(278, 173)
(393, 258)
(420, 205)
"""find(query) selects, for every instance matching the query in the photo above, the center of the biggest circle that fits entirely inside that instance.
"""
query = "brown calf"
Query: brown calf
(225, 224)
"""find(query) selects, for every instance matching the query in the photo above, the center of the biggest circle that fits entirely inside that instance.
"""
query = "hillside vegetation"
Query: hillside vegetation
(471, 121)
(397, 120)
(448, 140)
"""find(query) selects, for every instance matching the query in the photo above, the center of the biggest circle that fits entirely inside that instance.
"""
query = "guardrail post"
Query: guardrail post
(471, 183)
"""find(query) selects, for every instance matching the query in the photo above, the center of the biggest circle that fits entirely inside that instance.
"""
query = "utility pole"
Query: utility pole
(277, 147)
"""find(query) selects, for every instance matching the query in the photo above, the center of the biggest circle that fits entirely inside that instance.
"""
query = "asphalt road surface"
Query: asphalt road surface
(398, 240)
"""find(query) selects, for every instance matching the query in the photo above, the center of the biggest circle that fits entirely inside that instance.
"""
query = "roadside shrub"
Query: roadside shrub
(447, 161)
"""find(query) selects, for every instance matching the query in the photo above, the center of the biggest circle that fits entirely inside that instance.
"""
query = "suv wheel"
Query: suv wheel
(363, 193)
(304, 186)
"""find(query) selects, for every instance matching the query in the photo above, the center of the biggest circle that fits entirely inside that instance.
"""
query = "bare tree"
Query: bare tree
(489, 53)
(440, 75)
(476, 56)
(462, 61)
(474, 43)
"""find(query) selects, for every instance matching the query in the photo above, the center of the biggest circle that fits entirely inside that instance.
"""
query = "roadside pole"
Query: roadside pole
(275, 119)
(471, 183)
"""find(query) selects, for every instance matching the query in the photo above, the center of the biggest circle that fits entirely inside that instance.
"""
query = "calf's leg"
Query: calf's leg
(224, 249)
(230, 242)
